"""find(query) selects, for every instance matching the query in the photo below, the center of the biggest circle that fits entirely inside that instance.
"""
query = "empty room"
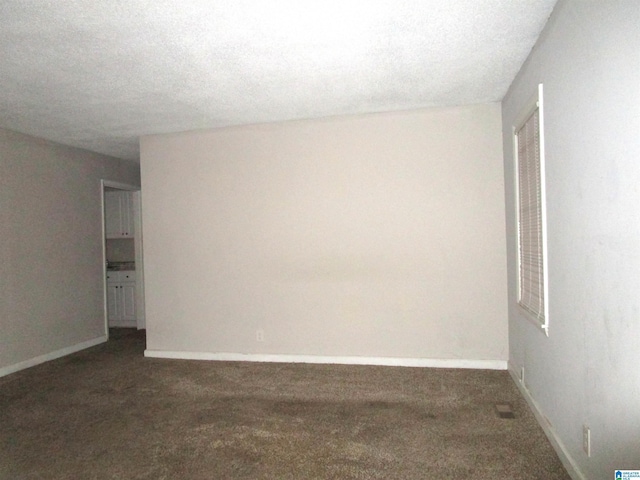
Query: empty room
(346, 240)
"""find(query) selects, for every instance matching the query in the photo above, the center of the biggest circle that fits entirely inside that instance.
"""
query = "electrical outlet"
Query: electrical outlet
(586, 440)
(260, 335)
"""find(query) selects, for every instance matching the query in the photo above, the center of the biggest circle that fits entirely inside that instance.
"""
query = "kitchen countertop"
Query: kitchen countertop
(119, 266)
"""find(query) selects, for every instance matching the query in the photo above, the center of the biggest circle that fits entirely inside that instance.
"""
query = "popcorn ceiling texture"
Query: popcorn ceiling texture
(98, 75)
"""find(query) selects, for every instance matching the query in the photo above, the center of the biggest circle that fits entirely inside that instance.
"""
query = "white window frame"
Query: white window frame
(541, 316)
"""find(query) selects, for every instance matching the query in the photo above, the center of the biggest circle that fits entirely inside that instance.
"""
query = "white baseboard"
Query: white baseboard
(567, 460)
(385, 361)
(16, 367)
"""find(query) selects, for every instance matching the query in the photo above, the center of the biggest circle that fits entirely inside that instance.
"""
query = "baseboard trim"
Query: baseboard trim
(567, 460)
(16, 367)
(383, 361)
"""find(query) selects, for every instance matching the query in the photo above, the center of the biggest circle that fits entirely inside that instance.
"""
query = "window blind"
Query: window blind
(531, 292)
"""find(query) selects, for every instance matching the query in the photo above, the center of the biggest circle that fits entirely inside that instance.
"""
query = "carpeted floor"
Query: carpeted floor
(110, 413)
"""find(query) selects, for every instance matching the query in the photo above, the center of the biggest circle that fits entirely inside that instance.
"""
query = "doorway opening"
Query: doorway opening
(123, 259)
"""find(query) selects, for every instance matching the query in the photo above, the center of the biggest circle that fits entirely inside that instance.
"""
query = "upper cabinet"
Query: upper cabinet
(118, 211)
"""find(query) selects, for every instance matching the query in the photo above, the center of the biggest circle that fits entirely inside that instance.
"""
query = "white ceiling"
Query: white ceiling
(98, 74)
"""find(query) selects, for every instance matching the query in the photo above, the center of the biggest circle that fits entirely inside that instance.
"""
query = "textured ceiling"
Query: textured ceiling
(98, 74)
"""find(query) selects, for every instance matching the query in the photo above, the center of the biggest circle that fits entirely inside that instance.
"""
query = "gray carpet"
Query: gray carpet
(110, 413)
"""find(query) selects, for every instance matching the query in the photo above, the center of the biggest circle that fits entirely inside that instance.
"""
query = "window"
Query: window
(531, 215)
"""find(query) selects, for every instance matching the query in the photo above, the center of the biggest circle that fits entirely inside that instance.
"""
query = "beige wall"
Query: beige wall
(51, 246)
(377, 236)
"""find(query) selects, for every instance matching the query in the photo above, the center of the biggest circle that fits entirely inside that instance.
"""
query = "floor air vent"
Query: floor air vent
(505, 410)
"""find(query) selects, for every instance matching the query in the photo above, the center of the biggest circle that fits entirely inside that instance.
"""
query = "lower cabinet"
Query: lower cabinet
(121, 299)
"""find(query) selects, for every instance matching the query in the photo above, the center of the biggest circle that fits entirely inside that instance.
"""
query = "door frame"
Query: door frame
(139, 257)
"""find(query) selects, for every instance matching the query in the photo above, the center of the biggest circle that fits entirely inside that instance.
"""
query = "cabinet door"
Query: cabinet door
(128, 293)
(118, 211)
(114, 308)
(112, 214)
(126, 214)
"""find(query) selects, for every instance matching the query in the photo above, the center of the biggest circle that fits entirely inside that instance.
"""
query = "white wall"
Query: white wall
(372, 236)
(588, 370)
(51, 247)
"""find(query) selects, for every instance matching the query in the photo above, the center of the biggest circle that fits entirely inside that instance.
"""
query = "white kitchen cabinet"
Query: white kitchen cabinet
(118, 212)
(121, 298)
(113, 303)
